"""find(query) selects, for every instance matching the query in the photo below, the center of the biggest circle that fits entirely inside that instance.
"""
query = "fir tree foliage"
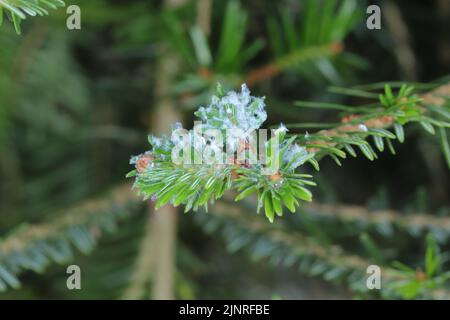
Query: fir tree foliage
(194, 185)
(380, 121)
(18, 10)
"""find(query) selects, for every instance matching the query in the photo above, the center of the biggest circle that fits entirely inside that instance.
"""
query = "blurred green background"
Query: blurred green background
(75, 105)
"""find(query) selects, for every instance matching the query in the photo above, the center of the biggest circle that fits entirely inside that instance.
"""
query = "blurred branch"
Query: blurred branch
(93, 212)
(84, 213)
(285, 247)
(416, 223)
(301, 55)
(33, 247)
(437, 97)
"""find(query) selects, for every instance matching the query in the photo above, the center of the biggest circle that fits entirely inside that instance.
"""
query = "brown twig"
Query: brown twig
(273, 69)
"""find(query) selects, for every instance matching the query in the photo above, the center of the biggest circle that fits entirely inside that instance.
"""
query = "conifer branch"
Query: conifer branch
(279, 246)
(331, 263)
(196, 184)
(34, 247)
(415, 223)
(358, 124)
(18, 10)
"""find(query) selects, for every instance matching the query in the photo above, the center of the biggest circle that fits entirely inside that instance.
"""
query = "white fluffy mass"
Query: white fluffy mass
(234, 110)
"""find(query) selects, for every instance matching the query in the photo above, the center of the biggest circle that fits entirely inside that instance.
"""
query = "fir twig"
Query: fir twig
(19, 10)
(197, 184)
(351, 123)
